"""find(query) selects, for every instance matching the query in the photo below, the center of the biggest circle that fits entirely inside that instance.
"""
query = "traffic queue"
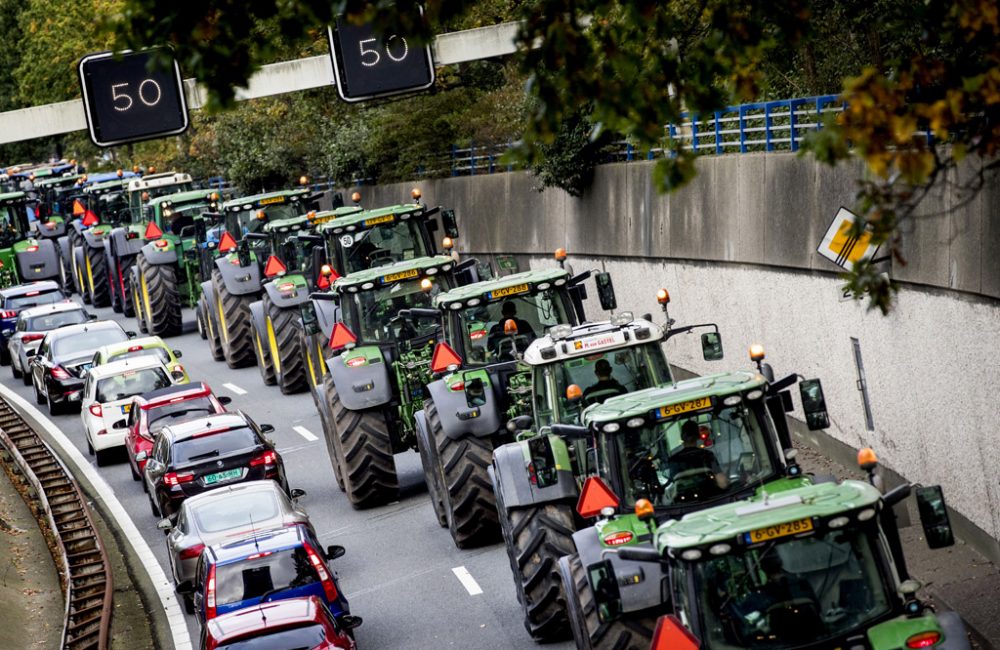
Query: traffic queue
(637, 509)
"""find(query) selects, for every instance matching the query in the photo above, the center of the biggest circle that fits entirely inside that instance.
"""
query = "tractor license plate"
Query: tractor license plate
(779, 530)
(683, 407)
(211, 479)
(508, 291)
(126, 408)
(402, 275)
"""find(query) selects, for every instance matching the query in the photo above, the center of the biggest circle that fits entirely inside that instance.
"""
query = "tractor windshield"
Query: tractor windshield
(482, 326)
(600, 375)
(697, 457)
(178, 219)
(381, 245)
(792, 592)
(378, 308)
(13, 223)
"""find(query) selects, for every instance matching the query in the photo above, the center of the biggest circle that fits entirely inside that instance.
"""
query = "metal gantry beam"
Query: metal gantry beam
(273, 79)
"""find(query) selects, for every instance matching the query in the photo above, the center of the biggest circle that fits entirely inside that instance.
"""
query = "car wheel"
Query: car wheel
(38, 396)
(188, 603)
(102, 457)
(90, 447)
(135, 474)
(26, 377)
(15, 368)
(152, 505)
(54, 409)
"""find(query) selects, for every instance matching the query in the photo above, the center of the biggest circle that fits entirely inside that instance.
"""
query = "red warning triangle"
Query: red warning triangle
(341, 336)
(671, 634)
(323, 282)
(89, 218)
(444, 356)
(274, 267)
(595, 496)
(78, 208)
(226, 242)
(153, 231)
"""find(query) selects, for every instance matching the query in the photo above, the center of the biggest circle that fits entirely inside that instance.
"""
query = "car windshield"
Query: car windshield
(698, 456)
(33, 299)
(131, 383)
(159, 353)
(216, 444)
(160, 416)
(378, 307)
(56, 320)
(311, 635)
(482, 326)
(382, 245)
(600, 376)
(235, 509)
(791, 592)
(252, 578)
(86, 342)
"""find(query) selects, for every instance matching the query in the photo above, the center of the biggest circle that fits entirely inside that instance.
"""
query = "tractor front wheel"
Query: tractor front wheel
(211, 333)
(330, 435)
(262, 352)
(161, 301)
(124, 283)
(430, 462)
(282, 328)
(312, 348)
(233, 320)
(97, 276)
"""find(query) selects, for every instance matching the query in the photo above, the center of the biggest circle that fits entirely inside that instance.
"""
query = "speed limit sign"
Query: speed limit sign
(368, 65)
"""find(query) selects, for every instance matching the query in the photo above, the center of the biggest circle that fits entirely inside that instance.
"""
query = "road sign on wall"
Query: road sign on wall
(368, 65)
(841, 246)
(125, 102)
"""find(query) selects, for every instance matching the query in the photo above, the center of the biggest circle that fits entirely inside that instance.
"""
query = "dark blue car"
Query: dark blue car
(265, 566)
(22, 296)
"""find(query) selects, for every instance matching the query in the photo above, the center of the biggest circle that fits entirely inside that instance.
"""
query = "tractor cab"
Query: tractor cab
(142, 191)
(13, 218)
(175, 214)
(50, 190)
(107, 201)
(250, 214)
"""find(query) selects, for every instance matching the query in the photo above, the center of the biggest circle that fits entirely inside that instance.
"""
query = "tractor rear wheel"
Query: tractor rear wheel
(431, 463)
(233, 320)
(80, 272)
(124, 283)
(312, 349)
(97, 276)
(467, 492)
(161, 302)
(628, 632)
(282, 329)
(330, 435)
(207, 323)
(363, 445)
(263, 354)
(136, 301)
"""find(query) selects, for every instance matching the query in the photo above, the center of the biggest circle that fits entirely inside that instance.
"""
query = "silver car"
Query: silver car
(226, 513)
(30, 329)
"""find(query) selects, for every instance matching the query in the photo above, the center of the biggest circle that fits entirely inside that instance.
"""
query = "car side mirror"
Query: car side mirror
(225, 400)
(30, 353)
(934, 517)
(131, 334)
(164, 524)
(141, 456)
(349, 621)
(267, 428)
(297, 493)
(711, 346)
(91, 316)
(119, 424)
(177, 353)
(814, 404)
(334, 551)
(186, 587)
(178, 375)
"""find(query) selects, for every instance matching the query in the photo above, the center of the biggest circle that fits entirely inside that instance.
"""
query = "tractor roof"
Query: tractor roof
(326, 216)
(642, 402)
(157, 180)
(300, 222)
(261, 200)
(404, 270)
(59, 180)
(364, 219)
(117, 184)
(10, 198)
(501, 288)
(733, 520)
(182, 197)
(591, 338)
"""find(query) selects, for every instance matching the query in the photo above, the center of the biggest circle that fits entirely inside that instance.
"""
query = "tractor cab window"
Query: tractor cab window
(381, 245)
(378, 310)
(179, 219)
(696, 457)
(12, 223)
(482, 326)
(792, 591)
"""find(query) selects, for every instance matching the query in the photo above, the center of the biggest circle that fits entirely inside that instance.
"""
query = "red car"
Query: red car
(152, 411)
(292, 623)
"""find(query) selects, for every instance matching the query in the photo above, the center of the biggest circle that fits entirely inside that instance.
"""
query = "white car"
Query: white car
(107, 398)
(30, 329)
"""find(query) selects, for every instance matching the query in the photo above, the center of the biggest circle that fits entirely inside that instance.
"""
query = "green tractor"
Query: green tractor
(166, 275)
(813, 567)
(23, 257)
(228, 286)
(94, 271)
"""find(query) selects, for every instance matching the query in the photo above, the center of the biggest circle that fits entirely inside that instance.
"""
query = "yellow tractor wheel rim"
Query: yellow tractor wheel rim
(145, 299)
(223, 330)
(136, 305)
(319, 355)
(90, 273)
(260, 349)
(312, 370)
(272, 343)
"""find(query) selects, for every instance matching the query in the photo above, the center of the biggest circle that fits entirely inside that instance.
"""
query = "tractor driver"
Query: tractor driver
(508, 311)
(691, 457)
(606, 384)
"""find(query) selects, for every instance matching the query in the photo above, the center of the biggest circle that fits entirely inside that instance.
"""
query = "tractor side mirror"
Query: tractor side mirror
(934, 517)
(607, 596)
(243, 253)
(225, 400)
(606, 291)
(571, 431)
(519, 423)
(475, 392)
(310, 321)
(814, 404)
(450, 223)
(334, 551)
(711, 346)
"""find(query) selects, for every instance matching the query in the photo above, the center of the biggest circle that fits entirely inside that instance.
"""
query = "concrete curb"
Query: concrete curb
(152, 582)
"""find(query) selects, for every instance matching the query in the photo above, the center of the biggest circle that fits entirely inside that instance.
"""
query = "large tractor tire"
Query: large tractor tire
(431, 464)
(312, 349)
(199, 318)
(467, 491)
(330, 435)
(262, 352)
(97, 277)
(232, 316)
(207, 325)
(363, 445)
(633, 631)
(282, 329)
(535, 538)
(80, 272)
(137, 309)
(161, 302)
(72, 277)
(123, 285)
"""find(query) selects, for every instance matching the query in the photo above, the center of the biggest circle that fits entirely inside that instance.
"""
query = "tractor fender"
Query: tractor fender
(652, 588)
(287, 300)
(363, 386)
(92, 240)
(64, 249)
(458, 419)
(955, 635)
(58, 230)
(327, 316)
(240, 280)
(79, 227)
(513, 482)
(159, 256)
(208, 291)
(78, 260)
(258, 320)
(40, 264)
(122, 245)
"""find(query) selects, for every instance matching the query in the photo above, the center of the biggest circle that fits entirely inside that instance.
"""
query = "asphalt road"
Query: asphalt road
(399, 572)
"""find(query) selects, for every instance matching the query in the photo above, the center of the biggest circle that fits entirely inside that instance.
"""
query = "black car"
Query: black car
(57, 368)
(22, 296)
(203, 453)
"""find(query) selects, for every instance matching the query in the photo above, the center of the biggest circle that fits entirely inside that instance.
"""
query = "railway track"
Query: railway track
(84, 572)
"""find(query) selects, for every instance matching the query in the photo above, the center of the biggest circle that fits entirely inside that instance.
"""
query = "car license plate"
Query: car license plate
(779, 530)
(126, 408)
(676, 409)
(222, 476)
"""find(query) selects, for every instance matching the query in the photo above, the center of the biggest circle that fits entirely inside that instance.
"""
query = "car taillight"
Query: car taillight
(7, 313)
(210, 594)
(27, 338)
(173, 478)
(135, 348)
(267, 458)
(58, 372)
(923, 640)
(96, 410)
(329, 588)
(192, 552)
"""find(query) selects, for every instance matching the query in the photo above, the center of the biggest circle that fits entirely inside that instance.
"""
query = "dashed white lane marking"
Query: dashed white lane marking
(305, 433)
(235, 389)
(467, 580)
